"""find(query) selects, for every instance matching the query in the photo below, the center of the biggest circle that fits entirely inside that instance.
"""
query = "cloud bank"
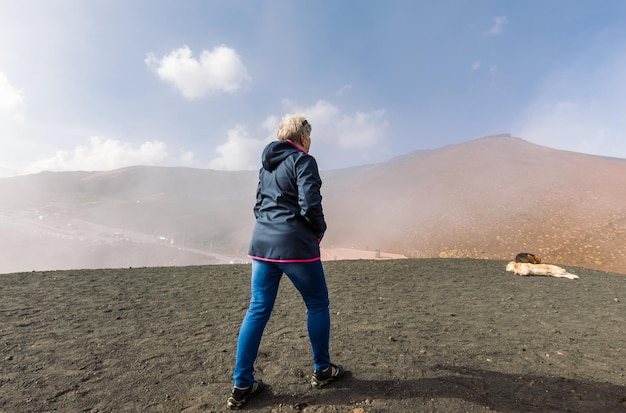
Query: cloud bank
(333, 131)
(101, 155)
(360, 130)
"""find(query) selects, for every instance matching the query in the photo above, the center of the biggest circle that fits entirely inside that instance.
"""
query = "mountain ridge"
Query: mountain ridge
(490, 197)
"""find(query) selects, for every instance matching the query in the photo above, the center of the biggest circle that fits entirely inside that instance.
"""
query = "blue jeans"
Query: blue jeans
(309, 280)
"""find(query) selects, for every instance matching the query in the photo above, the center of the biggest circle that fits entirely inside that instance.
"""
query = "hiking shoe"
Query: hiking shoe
(239, 397)
(322, 378)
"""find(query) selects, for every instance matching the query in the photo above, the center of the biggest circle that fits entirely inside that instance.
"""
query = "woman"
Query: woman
(289, 227)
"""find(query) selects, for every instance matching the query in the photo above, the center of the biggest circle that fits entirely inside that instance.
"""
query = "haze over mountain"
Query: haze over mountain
(491, 197)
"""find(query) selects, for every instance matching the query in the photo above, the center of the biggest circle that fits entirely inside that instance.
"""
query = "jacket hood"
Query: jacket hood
(276, 152)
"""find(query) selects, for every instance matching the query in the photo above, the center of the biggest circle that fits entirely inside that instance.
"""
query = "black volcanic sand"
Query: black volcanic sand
(425, 335)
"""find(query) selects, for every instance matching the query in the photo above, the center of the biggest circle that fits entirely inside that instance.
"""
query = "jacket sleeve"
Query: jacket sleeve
(257, 204)
(309, 194)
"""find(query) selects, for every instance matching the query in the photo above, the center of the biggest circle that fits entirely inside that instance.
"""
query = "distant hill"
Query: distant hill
(491, 197)
(138, 216)
(488, 198)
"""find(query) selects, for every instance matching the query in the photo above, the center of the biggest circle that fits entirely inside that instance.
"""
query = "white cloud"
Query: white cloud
(475, 65)
(344, 89)
(498, 25)
(361, 130)
(581, 109)
(270, 124)
(188, 158)
(12, 101)
(239, 152)
(333, 130)
(101, 155)
(218, 70)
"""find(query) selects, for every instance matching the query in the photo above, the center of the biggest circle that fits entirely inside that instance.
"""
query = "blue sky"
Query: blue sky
(103, 84)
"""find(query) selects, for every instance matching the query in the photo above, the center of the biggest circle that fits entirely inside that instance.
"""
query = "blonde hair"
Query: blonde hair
(292, 126)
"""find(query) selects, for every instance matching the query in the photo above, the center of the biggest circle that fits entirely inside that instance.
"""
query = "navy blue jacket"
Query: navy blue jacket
(289, 216)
